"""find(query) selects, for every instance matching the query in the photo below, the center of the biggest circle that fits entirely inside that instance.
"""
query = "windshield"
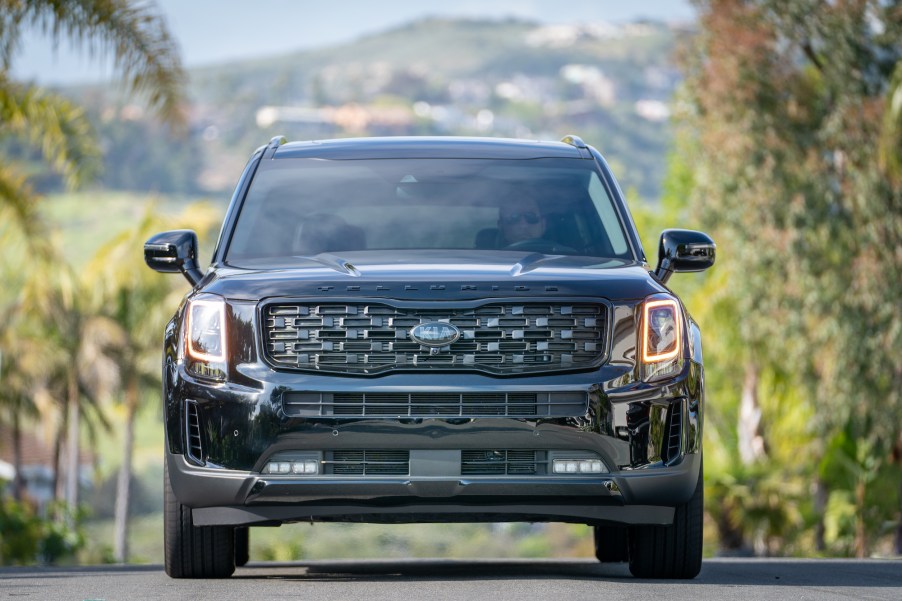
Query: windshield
(304, 207)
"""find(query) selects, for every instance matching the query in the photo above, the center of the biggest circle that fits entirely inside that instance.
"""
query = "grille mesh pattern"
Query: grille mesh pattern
(368, 463)
(374, 338)
(498, 463)
(434, 404)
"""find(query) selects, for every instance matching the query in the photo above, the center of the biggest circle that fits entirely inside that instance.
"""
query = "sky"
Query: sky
(217, 31)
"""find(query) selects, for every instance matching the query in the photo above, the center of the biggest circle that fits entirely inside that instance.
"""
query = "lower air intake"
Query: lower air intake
(367, 463)
(194, 448)
(501, 463)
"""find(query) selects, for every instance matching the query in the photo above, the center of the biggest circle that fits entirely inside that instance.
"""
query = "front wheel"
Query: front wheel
(671, 551)
(193, 551)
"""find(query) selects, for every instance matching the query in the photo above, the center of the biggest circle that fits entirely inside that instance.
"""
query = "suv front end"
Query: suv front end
(383, 357)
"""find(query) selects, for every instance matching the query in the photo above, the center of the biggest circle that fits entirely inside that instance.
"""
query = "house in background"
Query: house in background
(37, 467)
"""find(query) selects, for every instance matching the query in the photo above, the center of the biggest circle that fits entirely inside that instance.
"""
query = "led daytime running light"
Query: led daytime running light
(202, 305)
(648, 355)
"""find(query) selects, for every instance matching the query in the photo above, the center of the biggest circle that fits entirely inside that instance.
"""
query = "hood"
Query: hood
(431, 275)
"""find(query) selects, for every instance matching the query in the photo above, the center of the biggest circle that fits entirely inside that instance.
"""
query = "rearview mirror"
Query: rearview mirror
(174, 252)
(683, 251)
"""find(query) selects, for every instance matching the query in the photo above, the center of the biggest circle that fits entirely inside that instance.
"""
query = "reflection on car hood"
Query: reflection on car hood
(432, 275)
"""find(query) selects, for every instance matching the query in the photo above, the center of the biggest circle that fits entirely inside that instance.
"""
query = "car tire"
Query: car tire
(670, 551)
(242, 546)
(193, 551)
(611, 544)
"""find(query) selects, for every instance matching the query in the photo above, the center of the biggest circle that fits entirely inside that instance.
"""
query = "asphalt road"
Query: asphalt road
(560, 580)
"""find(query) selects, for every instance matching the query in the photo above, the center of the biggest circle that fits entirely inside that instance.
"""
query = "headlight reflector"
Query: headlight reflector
(661, 337)
(205, 338)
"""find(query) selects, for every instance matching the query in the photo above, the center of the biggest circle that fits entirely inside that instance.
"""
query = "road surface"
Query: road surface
(496, 580)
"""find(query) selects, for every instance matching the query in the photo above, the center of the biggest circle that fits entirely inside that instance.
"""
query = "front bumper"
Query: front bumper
(629, 427)
(247, 498)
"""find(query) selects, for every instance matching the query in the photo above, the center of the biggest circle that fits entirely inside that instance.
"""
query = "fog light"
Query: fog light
(300, 467)
(578, 466)
(304, 467)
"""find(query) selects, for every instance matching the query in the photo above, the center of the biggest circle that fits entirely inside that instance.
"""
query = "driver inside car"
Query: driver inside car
(520, 220)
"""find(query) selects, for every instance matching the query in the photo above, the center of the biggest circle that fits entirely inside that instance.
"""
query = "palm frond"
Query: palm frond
(10, 31)
(58, 127)
(18, 201)
(135, 34)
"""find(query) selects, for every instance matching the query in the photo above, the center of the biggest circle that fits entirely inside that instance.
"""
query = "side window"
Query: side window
(609, 220)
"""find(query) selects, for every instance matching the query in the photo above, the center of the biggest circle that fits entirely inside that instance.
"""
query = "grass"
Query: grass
(298, 542)
(82, 222)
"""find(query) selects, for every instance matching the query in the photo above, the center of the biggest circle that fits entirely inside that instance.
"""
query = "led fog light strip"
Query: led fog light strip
(305, 468)
(578, 466)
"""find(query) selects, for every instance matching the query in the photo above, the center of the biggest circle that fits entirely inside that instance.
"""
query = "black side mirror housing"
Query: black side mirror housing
(174, 252)
(683, 251)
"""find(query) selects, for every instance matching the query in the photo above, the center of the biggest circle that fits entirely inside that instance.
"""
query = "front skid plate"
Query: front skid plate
(417, 513)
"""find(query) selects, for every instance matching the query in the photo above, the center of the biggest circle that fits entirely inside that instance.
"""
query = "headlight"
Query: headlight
(205, 339)
(661, 338)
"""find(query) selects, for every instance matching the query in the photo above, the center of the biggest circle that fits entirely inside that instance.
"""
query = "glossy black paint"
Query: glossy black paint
(434, 275)
(683, 251)
(243, 423)
(426, 148)
(174, 252)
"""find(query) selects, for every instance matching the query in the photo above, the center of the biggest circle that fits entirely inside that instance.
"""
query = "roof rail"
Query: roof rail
(574, 141)
(273, 146)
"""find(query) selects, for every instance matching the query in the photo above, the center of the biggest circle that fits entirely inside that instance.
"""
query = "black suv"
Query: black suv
(432, 330)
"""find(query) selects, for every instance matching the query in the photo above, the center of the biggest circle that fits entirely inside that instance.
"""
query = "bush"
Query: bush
(29, 538)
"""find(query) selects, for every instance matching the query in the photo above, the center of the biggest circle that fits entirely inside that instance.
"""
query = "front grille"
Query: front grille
(434, 404)
(501, 463)
(369, 338)
(194, 448)
(367, 463)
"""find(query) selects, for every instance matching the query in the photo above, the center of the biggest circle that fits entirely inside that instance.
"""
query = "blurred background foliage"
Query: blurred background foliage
(774, 126)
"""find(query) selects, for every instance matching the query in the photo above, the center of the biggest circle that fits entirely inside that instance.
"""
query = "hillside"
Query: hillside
(609, 84)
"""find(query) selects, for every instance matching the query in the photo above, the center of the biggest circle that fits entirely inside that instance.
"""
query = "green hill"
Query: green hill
(513, 78)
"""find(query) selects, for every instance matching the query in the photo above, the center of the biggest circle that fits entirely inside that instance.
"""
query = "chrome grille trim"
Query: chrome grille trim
(501, 337)
(394, 405)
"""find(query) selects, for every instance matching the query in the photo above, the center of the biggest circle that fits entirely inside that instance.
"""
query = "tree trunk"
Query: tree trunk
(861, 541)
(751, 443)
(73, 443)
(897, 459)
(899, 528)
(821, 496)
(123, 484)
(58, 459)
(18, 481)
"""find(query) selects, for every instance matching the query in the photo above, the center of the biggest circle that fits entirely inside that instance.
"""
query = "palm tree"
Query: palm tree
(144, 56)
(64, 336)
(139, 303)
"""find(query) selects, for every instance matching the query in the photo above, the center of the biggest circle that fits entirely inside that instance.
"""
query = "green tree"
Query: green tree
(787, 103)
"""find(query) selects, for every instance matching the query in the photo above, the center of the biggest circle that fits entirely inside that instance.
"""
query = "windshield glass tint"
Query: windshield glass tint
(304, 207)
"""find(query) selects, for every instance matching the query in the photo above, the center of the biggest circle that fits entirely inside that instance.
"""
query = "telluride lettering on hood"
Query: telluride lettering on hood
(402, 330)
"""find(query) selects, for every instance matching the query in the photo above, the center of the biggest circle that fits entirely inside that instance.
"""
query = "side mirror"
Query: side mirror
(174, 252)
(685, 251)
